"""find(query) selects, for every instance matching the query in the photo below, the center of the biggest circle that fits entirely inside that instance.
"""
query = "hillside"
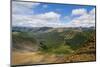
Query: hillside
(23, 42)
(86, 52)
(53, 45)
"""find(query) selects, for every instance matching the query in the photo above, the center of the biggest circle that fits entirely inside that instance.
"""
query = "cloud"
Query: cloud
(52, 19)
(46, 19)
(79, 11)
(85, 20)
(23, 15)
(50, 16)
(23, 7)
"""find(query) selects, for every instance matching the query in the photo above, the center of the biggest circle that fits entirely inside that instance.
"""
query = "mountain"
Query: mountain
(41, 45)
(48, 38)
(23, 42)
(30, 29)
(86, 52)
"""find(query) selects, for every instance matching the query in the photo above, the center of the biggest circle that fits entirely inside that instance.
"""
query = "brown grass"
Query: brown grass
(40, 58)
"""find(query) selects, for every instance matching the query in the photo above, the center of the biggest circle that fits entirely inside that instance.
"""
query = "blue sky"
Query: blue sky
(64, 9)
(50, 14)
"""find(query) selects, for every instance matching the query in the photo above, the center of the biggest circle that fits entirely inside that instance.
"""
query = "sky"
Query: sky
(35, 14)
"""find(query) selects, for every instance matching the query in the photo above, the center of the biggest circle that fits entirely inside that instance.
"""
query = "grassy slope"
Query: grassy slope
(22, 41)
(86, 52)
(55, 46)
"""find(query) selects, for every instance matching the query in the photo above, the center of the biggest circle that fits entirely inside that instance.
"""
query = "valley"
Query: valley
(41, 45)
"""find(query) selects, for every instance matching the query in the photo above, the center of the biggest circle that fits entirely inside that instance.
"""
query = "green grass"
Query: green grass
(55, 42)
(22, 36)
